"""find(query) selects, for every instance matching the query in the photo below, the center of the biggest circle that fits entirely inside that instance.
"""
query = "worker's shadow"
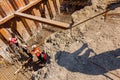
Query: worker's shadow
(113, 6)
(106, 61)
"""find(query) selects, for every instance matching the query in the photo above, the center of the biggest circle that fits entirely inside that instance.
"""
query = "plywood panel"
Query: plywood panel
(2, 12)
(14, 5)
(47, 12)
(22, 30)
(37, 13)
(6, 7)
(22, 2)
(32, 25)
(5, 33)
(33, 13)
(18, 2)
(10, 6)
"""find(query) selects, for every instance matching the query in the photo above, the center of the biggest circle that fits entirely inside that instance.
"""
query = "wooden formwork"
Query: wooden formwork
(25, 25)
(24, 18)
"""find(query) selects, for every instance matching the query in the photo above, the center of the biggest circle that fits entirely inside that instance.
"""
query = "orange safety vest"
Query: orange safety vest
(37, 51)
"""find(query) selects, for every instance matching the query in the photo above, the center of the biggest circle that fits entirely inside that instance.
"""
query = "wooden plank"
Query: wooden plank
(5, 33)
(58, 5)
(13, 3)
(46, 12)
(8, 17)
(26, 26)
(52, 7)
(49, 9)
(3, 20)
(43, 20)
(31, 4)
(42, 10)
(55, 5)
(9, 5)
(2, 12)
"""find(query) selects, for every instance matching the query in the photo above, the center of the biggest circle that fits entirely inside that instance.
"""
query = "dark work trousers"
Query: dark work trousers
(29, 54)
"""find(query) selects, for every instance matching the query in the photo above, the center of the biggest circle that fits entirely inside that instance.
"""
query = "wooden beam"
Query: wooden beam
(8, 17)
(43, 20)
(3, 20)
(49, 9)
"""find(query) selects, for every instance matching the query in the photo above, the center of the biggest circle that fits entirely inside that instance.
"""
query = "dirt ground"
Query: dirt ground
(89, 51)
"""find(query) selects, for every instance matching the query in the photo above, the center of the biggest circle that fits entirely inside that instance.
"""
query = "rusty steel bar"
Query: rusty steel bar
(78, 23)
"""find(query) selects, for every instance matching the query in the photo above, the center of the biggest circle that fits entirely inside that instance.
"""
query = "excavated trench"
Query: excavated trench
(80, 52)
(66, 8)
(90, 51)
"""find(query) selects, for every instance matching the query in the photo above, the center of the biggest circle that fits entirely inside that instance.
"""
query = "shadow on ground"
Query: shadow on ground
(112, 6)
(75, 63)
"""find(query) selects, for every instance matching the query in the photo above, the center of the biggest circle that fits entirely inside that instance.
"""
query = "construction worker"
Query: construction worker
(43, 57)
(26, 50)
(13, 41)
(36, 51)
(15, 46)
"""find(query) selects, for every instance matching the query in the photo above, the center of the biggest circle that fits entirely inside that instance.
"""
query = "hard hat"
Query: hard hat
(34, 46)
(10, 39)
(24, 45)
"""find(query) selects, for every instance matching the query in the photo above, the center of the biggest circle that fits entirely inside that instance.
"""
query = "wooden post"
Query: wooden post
(49, 9)
(60, 1)
(13, 3)
(42, 10)
(26, 2)
(46, 11)
(9, 5)
(52, 7)
(22, 2)
(2, 12)
(55, 5)
(26, 26)
(32, 12)
(58, 6)
(5, 35)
